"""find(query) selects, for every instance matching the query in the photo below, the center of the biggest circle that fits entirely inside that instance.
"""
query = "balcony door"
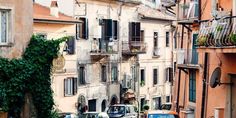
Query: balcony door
(194, 50)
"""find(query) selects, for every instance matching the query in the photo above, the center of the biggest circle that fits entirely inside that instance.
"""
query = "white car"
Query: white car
(122, 111)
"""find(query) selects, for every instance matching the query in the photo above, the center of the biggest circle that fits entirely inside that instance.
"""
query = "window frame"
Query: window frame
(114, 73)
(9, 30)
(70, 86)
(192, 86)
(167, 39)
(143, 76)
(82, 79)
(157, 73)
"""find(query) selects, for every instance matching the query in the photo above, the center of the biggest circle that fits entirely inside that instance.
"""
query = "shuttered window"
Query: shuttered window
(155, 76)
(70, 86)
(82, 75)
(104, 73)
(134, 31)
(82, 29)
(167, 39)
(192, 86)
(115, 29)
(70, 45)
(169, 74)
(114, 73)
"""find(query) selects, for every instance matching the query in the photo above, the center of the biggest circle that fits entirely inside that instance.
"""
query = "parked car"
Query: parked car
(94, 115)
(67, 115)
(161, 114)
(122, 111)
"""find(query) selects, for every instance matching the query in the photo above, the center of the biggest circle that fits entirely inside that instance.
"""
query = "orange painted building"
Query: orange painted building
(202, 90)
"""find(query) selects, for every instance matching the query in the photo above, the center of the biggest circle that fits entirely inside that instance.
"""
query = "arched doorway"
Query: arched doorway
(81, 104)
(104, 102)
(114, 100)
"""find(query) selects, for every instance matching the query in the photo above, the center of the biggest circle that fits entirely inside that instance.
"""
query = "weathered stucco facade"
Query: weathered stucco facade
(19, 27)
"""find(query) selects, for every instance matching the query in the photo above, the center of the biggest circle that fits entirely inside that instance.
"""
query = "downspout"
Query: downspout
(204, 85)
(179, 76)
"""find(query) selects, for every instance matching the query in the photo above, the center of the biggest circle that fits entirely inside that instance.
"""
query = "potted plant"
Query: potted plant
(142, 83)
(146, 107)
(233, 38)
(201, 40)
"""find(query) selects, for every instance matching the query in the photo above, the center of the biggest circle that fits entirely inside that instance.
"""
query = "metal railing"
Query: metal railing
(187, 56)
(104, 47)
(217, 33)
(133, 47)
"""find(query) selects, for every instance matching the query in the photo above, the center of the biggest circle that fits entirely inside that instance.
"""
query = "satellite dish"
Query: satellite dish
(215, 77)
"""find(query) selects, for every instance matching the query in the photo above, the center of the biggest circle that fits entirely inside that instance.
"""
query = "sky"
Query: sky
(65, 6)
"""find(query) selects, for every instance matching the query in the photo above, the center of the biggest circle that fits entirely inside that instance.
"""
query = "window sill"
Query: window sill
(69, 95)
(6, 44)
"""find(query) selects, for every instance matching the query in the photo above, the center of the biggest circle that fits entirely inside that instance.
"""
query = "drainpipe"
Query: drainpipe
(204, 85)
(137, 77)
(179, 77)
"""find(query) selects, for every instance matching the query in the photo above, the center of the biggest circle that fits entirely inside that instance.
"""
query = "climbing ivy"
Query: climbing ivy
(30, 74)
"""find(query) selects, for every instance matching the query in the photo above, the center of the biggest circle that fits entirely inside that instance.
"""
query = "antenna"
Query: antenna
(215, 78)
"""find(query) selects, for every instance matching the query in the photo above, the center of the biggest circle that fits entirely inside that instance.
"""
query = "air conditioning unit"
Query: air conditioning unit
(126, 81)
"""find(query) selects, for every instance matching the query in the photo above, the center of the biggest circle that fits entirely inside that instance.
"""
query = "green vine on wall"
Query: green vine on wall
(30, 74)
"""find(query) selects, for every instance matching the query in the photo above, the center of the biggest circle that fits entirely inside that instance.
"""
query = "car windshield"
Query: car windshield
(162, 116)
(116, 110)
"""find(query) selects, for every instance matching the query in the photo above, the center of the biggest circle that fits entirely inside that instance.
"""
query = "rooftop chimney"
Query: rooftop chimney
(54, 11)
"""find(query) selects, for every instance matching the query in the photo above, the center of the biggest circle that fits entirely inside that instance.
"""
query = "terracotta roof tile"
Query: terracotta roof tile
(43, 13)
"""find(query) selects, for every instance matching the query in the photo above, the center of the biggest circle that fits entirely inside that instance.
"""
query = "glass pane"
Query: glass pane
(4, 26)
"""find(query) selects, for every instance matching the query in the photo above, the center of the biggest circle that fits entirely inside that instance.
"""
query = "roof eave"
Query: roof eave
(38, 20)
(152, 18)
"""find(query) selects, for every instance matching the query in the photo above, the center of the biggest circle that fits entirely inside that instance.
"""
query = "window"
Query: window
(82, 29)
(115, 29)
(104, 73)
(156, 103)
(155, 40)
(4, 26)
(142, 103)
(92, 105)
(142, 35)
(114, 73)
(82, 75)
(70, 86)
(167, 39)
(167, 99)
(155, 76)
(142, 77)
(192, 86)
(169, 74)
(134, 31)
(70, 45)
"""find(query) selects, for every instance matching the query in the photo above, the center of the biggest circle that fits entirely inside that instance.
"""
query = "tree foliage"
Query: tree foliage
(30, 74)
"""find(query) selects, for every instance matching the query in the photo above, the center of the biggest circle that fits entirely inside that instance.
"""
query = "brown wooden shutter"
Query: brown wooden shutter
(75, 85)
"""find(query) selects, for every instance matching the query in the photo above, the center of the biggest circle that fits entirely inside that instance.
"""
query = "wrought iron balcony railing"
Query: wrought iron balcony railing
(133, 47)
(103, 48)
(187, 56)
(217, 33)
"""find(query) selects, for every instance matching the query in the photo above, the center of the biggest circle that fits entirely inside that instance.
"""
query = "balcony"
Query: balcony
(218, 36)
(133, 47)
(156, 52)
(103, 49)
(188, 12)
(168, 3)
(187, 59)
